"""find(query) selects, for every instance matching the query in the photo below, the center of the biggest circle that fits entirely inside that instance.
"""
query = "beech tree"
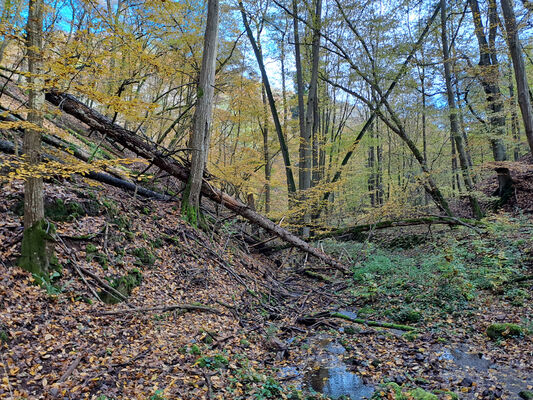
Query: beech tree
(200, 135)
(37, 250)
(522, 86)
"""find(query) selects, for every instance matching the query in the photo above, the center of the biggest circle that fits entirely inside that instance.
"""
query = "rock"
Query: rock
(399, 379)
(419, 357)
(466, 382)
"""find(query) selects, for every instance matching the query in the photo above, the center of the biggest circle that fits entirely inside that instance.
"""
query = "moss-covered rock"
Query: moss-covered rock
(499, 331)
(408, 315)
(124, 285)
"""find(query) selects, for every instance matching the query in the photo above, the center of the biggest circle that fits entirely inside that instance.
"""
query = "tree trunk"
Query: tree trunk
(202, 116)
(306, 152)
(489, 80)
(37, 249)
(291, 185)
(266, 152)
(454, 123)
(522, 86)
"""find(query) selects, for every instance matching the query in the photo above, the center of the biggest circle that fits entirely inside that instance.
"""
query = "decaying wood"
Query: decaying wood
(325, 315)
(353, 231)
(158, 156)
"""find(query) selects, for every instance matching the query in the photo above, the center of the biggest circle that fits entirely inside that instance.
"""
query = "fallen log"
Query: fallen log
(354, 231)
(317, 317)
(9, 148)
(160, 158)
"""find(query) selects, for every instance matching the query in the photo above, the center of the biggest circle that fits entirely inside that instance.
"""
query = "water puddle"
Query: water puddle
(335, 382)
(330, 376)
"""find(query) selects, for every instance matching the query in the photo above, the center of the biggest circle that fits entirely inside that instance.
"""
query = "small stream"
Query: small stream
(325, 372)
(329, 375)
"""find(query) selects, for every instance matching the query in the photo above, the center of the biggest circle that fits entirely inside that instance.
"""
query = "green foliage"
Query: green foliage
(500, 331)
(195, 349)
(398, 393)
(157, 243)
(408, 314)
(271, 389)
(517, 296)
(124, 285)
(158, 395)
(4, 336)
(144, 256)
(218, 361)
(445, 281)
(60, 210)
(526, 394)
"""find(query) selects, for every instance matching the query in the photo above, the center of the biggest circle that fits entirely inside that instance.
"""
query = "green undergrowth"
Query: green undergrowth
(393, 390)
(439, 277)
(123, 284)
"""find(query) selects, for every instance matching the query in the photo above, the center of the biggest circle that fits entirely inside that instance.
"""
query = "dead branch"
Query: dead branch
(171, 165)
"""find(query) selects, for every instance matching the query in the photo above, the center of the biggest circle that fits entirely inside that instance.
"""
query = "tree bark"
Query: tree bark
(202, 116)
(36, 251)
(522, 86)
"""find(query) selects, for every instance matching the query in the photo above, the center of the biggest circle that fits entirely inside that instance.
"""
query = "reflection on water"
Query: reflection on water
(337, 381)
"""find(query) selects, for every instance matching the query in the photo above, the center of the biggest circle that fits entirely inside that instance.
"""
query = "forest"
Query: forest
(269, 199)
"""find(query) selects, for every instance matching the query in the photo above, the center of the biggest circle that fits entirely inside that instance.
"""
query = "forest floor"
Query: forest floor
(249, 342)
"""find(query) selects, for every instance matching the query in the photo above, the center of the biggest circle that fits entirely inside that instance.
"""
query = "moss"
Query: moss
(421, 394)
(37, 251)
(499, 331)
(408, 315)
(526, 394)
(4, 336)
(190, 214)
(144, 256)
(93, 254)
(59, 210)
(124, 285)
(393, 388)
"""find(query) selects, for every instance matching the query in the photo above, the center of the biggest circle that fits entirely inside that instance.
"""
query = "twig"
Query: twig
(112, 291)
(71, 368)
(209, 385)
(85, 281)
